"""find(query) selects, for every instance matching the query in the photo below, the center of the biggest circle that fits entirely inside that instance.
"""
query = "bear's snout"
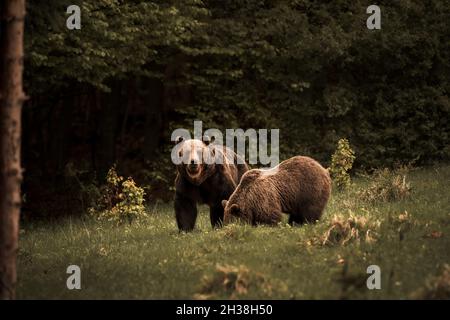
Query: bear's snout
(193, 167)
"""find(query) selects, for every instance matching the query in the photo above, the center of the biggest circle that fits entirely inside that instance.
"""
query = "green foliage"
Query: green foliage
(341, 163)
(311, 69)
(110, 31)
(120, 200)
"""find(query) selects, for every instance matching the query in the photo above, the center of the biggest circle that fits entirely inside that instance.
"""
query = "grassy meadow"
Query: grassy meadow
(408, 238)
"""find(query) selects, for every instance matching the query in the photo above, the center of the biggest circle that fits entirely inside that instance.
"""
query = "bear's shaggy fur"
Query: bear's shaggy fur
(299, 186)
(200, 181)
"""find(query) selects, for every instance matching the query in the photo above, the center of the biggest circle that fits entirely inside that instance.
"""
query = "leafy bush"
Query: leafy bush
(387, 185)
(120, 200)
(341, 163)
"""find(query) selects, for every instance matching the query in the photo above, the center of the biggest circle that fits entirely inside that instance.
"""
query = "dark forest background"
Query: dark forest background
(113, 91)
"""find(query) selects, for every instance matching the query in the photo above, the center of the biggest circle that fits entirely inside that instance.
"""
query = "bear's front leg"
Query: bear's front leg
(296, 219)
(185, 212)
(216, 215)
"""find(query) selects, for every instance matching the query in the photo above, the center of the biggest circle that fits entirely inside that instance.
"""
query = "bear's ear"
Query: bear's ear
(178, 139)
(224, 203)
(234, 209)
(208, 140)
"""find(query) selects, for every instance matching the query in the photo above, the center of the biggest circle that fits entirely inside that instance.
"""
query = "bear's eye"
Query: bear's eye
(180, 154)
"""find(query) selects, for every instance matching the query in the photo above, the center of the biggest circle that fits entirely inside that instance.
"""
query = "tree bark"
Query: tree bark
(12, 14)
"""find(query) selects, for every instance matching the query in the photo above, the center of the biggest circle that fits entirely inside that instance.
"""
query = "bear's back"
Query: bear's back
(299, 180)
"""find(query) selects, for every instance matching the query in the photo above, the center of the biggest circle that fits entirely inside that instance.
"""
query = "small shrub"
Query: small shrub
(120, 200)
(387, 185)
(341, 163)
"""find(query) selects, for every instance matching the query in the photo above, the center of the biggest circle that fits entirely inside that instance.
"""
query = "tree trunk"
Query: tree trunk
(12, 13)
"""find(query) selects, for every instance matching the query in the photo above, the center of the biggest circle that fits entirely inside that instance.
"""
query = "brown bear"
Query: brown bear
(299, 186)
(200, 179)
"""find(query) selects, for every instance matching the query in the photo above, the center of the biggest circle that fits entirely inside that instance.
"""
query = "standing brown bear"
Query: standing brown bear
(201, 178)
(299, 186)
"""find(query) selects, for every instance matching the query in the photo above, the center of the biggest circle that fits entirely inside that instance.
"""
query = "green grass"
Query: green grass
(151, 260)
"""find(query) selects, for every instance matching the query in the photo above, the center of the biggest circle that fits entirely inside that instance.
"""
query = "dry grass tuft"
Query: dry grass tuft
(402, 223)
(387, 185)
(236, 231)
(344, 230)
(232, 282)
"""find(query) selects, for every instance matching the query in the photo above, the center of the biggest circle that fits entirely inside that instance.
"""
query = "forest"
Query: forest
(310, 68)
(103, 100)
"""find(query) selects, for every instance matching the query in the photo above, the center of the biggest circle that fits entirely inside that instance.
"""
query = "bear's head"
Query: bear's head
(243, 199)
(197, 159)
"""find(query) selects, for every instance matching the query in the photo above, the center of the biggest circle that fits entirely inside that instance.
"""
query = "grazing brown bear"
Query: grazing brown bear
(200, 179)
(299, 186)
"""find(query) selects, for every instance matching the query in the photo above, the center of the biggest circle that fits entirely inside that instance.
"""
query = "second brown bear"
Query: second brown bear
(299, 186)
